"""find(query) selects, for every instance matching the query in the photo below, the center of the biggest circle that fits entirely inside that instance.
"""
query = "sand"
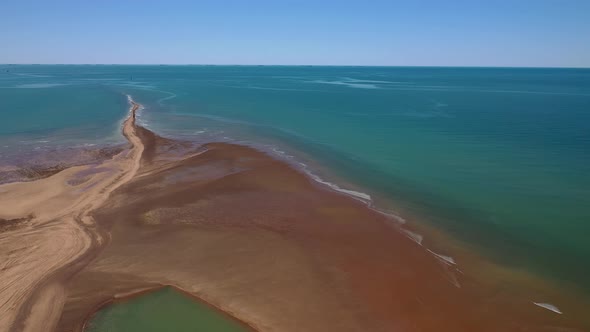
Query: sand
(244, 232)
(50, 229)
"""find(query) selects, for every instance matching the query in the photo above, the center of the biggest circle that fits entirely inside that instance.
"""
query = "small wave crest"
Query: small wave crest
(349, 84)
(38, 85)
(170, 96)
(363, 197)
(548, 306)
(414, 236)
(445, 259)
(355, 194)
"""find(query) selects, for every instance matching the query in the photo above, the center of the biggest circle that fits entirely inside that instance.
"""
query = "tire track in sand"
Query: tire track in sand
(57, 236)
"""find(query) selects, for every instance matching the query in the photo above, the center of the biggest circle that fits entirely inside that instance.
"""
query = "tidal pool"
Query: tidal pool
(165, 309)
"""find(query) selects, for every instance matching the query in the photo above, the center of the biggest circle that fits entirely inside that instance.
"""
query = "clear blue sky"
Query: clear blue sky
(388, 32)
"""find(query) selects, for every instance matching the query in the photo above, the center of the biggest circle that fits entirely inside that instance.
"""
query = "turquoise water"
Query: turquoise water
(497, 157)
(162, 310)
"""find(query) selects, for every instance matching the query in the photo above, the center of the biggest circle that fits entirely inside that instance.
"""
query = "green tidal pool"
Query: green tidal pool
(163, 310)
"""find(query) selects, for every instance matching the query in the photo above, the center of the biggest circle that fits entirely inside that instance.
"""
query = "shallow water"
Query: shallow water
(496, 157)
(162, 310)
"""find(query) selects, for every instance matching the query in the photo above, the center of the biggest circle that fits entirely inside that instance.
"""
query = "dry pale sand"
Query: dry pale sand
(246, 233)
(46, 227)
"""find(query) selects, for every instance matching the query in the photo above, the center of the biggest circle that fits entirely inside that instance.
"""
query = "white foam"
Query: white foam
(549, 307)
(32, 75)
(273, 89)
(131, 101)
(446, 259)
(37, 85)
(414, 236)
(363, 197)
(394, 216)
(348, 84)
(171, 95)
(374, 81)
(355, 194)
(282, 153)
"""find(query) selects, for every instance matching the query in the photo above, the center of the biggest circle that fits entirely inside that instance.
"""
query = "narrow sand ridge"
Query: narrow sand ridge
(45, 227)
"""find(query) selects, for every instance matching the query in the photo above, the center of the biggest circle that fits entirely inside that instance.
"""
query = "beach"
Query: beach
(49, 233)
(243, 231)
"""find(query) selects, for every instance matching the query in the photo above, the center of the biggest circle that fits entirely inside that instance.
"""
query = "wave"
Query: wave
(549, 307)
(363, 197)
(37, 85)
(445, 259)
(374, 81)
(358, 195)
(32, 75)
(389, 215)
(292, 160)
(348, 84)
(414, 236)
(355, 194)
(162, 100)
(446, 88)
(272, 89)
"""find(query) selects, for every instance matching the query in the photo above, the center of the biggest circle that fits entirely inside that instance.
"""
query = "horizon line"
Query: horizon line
(288, 65)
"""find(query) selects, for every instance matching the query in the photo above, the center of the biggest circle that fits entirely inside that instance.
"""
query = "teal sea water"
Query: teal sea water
(497, 157)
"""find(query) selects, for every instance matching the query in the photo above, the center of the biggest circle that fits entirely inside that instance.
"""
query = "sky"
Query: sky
(515, 33)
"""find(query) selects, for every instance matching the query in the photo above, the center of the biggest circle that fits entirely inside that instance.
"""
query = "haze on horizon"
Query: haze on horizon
(529, 33)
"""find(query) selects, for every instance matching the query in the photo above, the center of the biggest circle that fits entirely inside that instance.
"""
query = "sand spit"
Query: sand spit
(266, 244)
(245, 233)
(50, 229)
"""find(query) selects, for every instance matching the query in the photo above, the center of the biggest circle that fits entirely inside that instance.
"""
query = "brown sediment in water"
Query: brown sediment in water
(44, 164)
(255, 237)
(259, 240)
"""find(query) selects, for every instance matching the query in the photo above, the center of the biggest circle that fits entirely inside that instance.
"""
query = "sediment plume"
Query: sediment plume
(240, 230)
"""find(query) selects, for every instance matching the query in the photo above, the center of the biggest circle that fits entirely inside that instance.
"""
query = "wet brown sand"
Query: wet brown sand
(47, 163)
(254, 237)
(240, 230)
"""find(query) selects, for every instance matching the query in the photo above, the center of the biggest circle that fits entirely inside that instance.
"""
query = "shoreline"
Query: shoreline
(157, 219)
(434, 241)
(50, 162)
(549, 292)
(138, 157)
(144, 291)
(56, 211)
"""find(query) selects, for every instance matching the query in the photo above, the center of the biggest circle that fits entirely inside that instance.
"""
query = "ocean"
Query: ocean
(497, 159)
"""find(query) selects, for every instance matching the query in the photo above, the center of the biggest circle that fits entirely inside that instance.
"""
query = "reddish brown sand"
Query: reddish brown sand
(258, 239)
(262, 242)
